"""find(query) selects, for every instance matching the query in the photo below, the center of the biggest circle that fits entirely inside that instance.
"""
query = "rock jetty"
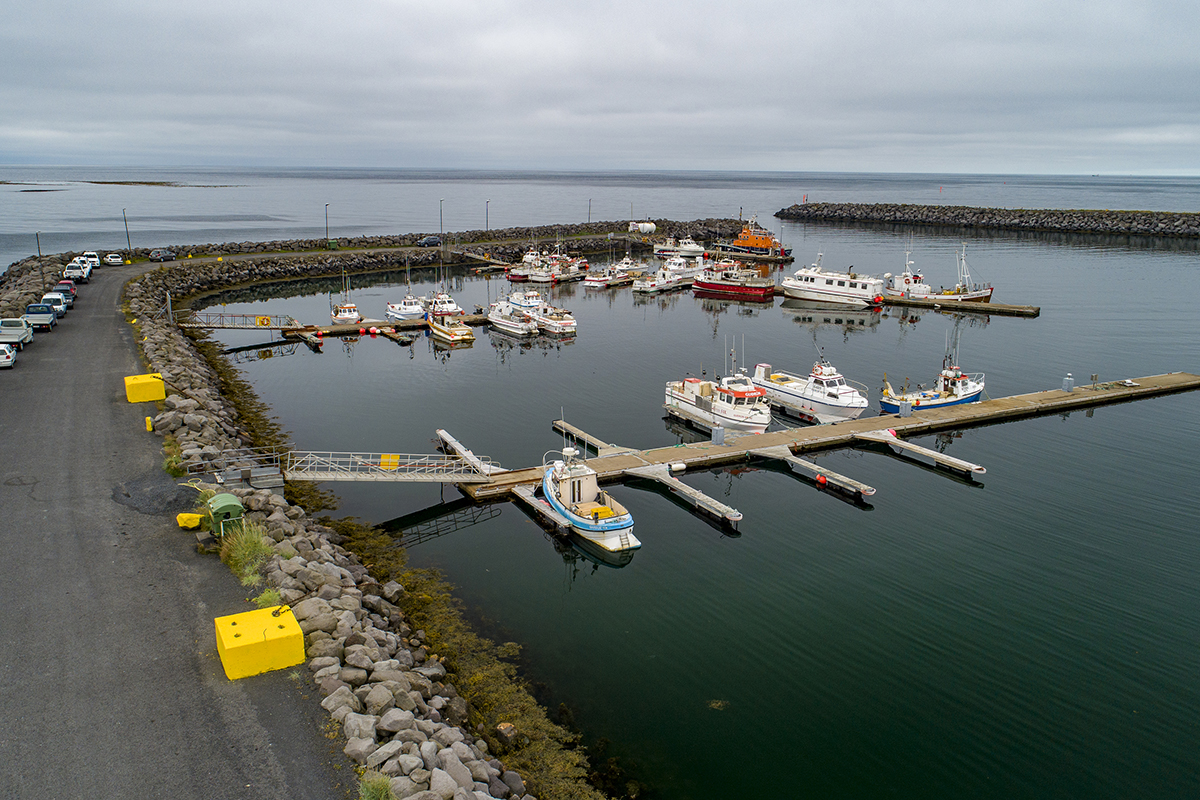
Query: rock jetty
(1126, 223)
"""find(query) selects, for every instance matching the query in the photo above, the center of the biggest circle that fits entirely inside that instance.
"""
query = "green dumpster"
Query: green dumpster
(224, 508)
(331, 244)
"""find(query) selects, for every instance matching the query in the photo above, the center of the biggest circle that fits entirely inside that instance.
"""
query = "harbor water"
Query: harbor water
(1033, 634)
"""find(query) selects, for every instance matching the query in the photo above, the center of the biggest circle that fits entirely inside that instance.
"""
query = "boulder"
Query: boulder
(395, 720)
(360, 726)
(455, 769)
(342, 697)
(442, 784)
(359, 749)
(379, 700)
(385, 752)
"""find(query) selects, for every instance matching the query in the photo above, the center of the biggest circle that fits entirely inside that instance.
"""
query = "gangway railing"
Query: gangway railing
(334, 466)
(221, 319)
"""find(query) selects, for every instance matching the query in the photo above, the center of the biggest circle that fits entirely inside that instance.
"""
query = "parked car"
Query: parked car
(114, 259)
(57, 302)
(430, 241)
(79, 270)
(68, 298)
(91, 258)
(162, 255)
(66, 285)
(16, 332)
(40, 315)
(8, 356)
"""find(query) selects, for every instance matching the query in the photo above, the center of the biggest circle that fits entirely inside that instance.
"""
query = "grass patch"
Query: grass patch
(269, 599)
(243, 549)
(375, 786)
(546, 754)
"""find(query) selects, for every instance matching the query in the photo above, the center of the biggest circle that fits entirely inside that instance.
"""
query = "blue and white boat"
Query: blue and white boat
(572, 489)
(952, 387)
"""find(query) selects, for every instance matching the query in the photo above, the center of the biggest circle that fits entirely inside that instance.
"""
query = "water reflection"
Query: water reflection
(438, 520)
(819, 315)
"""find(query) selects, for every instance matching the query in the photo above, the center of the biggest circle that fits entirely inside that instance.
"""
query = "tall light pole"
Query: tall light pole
(441, 227)
(38, 235)
(589, 211)
(128, 246)
(327, 223)
(486, 207)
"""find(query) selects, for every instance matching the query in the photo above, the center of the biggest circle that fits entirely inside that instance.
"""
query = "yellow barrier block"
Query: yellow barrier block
(189, 521)
(259, 641)
(149, 425)
(145, 388)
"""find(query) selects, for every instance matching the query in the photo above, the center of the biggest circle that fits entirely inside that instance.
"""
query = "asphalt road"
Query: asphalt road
(110, 683)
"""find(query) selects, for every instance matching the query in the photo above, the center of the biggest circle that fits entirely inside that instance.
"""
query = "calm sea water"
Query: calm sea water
(1034, 636)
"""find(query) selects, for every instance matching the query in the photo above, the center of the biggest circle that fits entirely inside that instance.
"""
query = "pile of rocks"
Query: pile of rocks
(399, 711)
(1141, 223)
(26, 281)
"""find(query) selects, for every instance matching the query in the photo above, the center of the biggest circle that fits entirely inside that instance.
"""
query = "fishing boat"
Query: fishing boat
(558, 321)
(615, 275)
(449, 330)
(844, 288)
(572, 489)
(676, 273)
(509, 318)
(756, 239)
(824, 396)
(732, 402)
(441, 304)
(527, 300)
(410, 307)
(730, 279)
(344, 311)
(687, 247)
(952, 387)
(912, 284)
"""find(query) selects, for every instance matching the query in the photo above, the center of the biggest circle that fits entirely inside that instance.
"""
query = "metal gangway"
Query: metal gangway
(221, 319)
(251, 466)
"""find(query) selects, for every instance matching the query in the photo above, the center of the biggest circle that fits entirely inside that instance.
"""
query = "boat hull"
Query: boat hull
(809, 408)
(892, 405)
(730, 289)
(713, 417)
(820, 296)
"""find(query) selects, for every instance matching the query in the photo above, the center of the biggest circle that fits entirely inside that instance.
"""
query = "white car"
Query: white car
(55, 301)
(8, 356)
(92, 258)
(114, 259)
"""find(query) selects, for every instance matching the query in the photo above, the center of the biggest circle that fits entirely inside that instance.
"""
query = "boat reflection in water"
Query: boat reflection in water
(806, 312)
(573, 543)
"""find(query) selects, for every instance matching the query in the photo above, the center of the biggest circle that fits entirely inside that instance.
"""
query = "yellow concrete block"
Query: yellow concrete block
(145, 388)
(190, 521)
(259, 641)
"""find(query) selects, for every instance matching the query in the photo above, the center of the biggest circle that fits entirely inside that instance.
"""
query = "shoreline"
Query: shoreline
(1167, 224)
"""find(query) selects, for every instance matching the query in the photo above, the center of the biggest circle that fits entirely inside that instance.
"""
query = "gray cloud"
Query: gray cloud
(933, 86)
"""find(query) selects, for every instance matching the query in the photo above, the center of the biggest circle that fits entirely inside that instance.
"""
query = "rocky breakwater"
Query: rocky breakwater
(26, 281)
(395, 701)
(1137, 223)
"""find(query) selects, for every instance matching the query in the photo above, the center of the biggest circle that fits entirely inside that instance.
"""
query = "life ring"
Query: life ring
(906, 280)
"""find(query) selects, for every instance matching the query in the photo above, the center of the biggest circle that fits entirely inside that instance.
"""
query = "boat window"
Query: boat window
(829, 282)
(853, 285)
(841, 283)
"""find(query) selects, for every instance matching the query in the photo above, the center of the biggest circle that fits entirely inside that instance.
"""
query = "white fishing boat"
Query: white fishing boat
(344, 311)
(441, 304)
(687, 247)
(733, 403)
(527, 300)
(509, 318)
(676, 273)
(911, 284)
(615, 275)
(558, 321)
(728, 278)
(410, 307)
(449, 330)
(824, 396)
(572, 489)
(952, 387)
(844, 288)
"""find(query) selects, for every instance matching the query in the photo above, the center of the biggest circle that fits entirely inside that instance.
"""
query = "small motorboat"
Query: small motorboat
(442, 305)
(952, 387)
(509, 318)
(729, 278)
(558, 321)
(573, 490)
(619, 274)
(449, 330)
(824, 396)
(676, 273)
(410, 307)
(528, 300)
(687, 247)
(345, 311)
(732, 402)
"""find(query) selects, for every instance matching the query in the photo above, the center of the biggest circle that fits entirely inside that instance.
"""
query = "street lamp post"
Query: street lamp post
(38, 235)
(589, 211)
(327, 223)
(486, 208)
(128, 246)
(441, 227)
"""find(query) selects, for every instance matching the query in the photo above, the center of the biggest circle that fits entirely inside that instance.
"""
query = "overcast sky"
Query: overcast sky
(1000, 87)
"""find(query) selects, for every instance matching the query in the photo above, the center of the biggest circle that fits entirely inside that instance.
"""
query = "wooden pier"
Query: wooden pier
(624, 463)
(965, 306)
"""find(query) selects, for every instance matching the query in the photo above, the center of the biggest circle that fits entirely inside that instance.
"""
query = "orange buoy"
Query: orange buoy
(821, 480)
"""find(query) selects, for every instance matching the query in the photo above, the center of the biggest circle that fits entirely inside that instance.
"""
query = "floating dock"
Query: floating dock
(965, 306)
(704, 455)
